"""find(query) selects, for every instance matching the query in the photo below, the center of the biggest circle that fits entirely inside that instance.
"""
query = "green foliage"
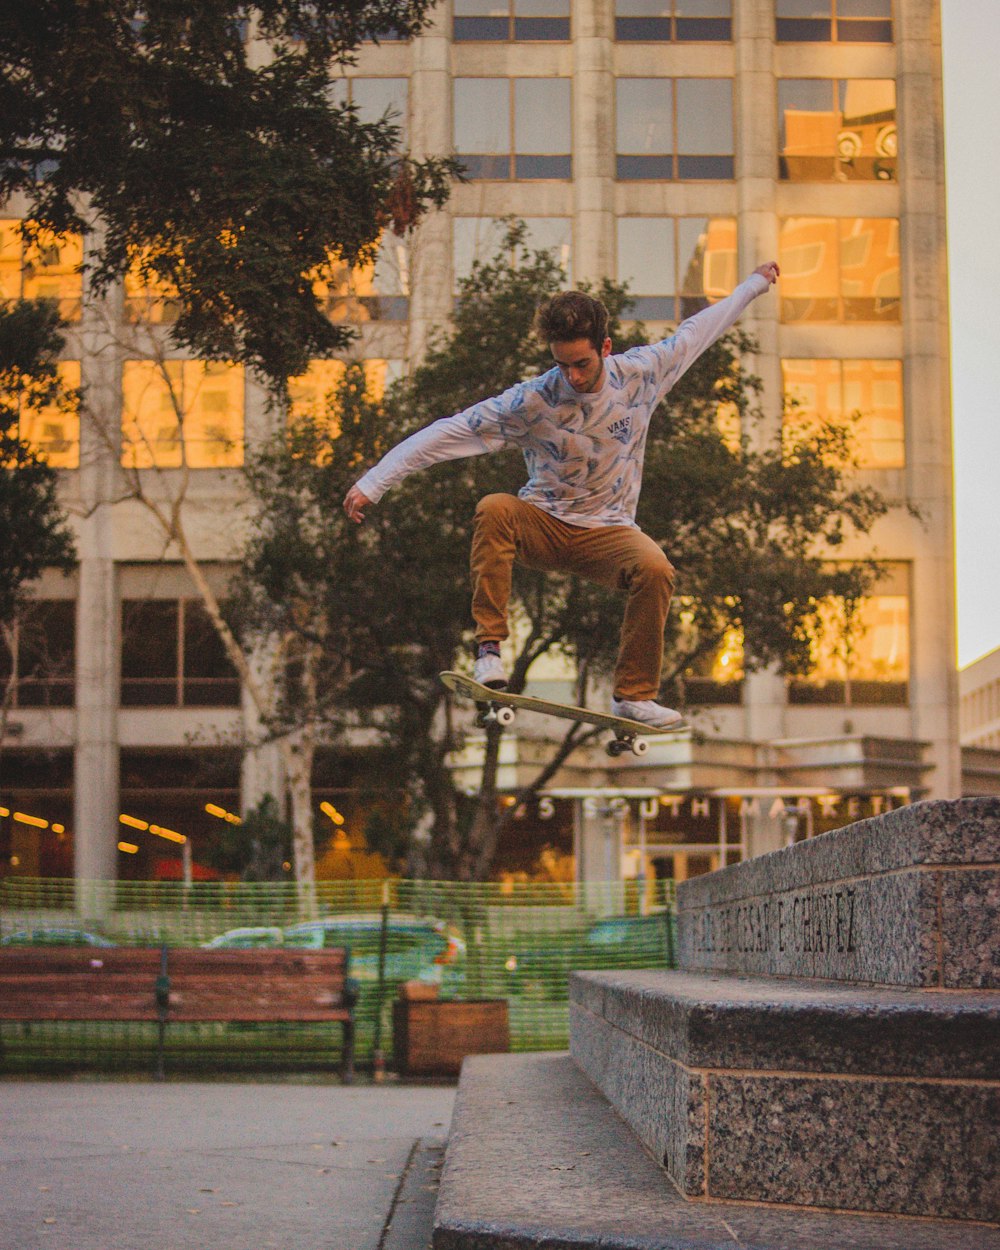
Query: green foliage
(223, 164)
(258, 848)
(33, 532)
(749, 523)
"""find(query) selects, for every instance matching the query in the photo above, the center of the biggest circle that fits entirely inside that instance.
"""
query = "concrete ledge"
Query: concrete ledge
(800, 1094)
(538, 1160)
(908, 898)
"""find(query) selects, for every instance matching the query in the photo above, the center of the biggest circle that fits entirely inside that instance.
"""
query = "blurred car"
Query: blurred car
(614, 942)
(255, 937)
(417, 949)
(54, 936)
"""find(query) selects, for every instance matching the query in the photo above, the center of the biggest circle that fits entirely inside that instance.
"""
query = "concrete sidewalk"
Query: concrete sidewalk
(125, 1165)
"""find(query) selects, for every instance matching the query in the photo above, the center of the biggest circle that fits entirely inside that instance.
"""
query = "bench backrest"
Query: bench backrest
(119, 983)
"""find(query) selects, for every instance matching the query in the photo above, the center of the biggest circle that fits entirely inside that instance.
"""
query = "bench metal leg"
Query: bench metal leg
(347, 1063)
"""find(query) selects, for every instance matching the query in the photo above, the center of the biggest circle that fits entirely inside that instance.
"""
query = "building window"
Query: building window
(839, 269)
(681, 21)
(837, 129)
(514, 127)
(172, 656)
(313, 393)
(37, 655)
(478, 239)
(376, 99)
(505, 20)
(833, 21)
(53, 432)
(50, 268)
(674, 128)
(377, 290)
(717, 676)
(675, 266)
(866, 393)
(861, 656)
(181, 412)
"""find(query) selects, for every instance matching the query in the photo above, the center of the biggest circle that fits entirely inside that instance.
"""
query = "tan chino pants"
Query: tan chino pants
(617, 556)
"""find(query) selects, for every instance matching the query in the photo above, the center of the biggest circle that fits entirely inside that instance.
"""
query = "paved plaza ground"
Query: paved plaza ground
(91, 1164)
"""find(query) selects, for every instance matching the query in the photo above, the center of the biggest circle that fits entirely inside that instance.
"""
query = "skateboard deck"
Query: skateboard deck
(499, 707)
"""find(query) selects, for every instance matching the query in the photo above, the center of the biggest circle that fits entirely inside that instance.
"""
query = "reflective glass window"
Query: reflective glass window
(172, 656)
(838, 21)
(674, 128)
(843, 130)
(313, 394)
(504, 20)
(377, 289)
(42, 658)
(839, 269)
(666, 20)
(861, 655)
(182, 412)
(54, 431)
(867, 394)
(478, 239)
(513, 128)
(676, 266)
(50, 267)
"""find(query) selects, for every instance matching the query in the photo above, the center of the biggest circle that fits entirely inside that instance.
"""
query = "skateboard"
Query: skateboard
(498, 707)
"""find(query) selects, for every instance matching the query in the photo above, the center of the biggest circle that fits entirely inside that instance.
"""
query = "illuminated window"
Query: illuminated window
(670, 128)
(837, 21)
(47, 269)
(514, 127)
(172, 656)
(867, 392)
(43, 655)
(376, 291)
(54, 431)
(862, 653)
(839, 269)
(676, 266)
(148, 298)
(182, 412)
(313, 393)
(480, 238)
(504, 20)
(681, 20)
(843, 130)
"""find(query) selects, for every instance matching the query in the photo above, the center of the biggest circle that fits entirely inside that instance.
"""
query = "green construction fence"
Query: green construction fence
(515, 941)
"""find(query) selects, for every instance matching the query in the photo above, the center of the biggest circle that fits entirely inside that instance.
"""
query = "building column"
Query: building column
(764, 696)
(593, 141)
(431, 277)
(926, 397)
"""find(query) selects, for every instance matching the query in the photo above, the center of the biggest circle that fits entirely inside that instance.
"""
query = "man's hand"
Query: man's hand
(769, 270)
(355, 504)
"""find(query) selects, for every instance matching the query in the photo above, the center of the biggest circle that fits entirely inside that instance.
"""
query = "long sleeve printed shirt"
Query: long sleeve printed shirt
(583, 452)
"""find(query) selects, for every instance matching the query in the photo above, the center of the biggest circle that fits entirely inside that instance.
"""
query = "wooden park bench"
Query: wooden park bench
(173, 986)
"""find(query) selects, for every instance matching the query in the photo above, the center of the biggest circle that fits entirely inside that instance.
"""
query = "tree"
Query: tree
(257, 849)
(203, 136)
(33, 529)
(395, 594)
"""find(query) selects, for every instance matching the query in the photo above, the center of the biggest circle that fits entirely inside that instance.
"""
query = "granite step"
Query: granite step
(802, 1093)
(539, 1160)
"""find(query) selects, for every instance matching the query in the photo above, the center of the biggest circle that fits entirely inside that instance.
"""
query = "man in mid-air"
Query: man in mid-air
(582, 430)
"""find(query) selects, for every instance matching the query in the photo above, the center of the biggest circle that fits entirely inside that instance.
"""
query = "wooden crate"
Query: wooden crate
(432, 1038)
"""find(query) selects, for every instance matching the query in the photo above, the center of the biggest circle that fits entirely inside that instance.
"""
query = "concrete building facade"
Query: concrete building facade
(675, 144)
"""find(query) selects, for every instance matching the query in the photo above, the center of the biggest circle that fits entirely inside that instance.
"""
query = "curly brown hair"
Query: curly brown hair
(572, 315)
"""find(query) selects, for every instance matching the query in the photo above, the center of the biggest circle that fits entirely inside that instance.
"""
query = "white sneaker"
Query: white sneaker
(489, 671)
(646, 711)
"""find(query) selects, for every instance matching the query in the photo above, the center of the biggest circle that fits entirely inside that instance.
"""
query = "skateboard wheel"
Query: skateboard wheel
(504, 716)
(640, 746)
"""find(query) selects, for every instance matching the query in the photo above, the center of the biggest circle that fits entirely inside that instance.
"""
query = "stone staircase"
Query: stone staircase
(823, 1072)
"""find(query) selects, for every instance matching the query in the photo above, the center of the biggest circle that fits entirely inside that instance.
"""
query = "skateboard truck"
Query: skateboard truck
(495, 714)
(502, 715)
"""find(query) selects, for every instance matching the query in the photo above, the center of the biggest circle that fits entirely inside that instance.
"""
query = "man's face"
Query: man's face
(580, 363)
